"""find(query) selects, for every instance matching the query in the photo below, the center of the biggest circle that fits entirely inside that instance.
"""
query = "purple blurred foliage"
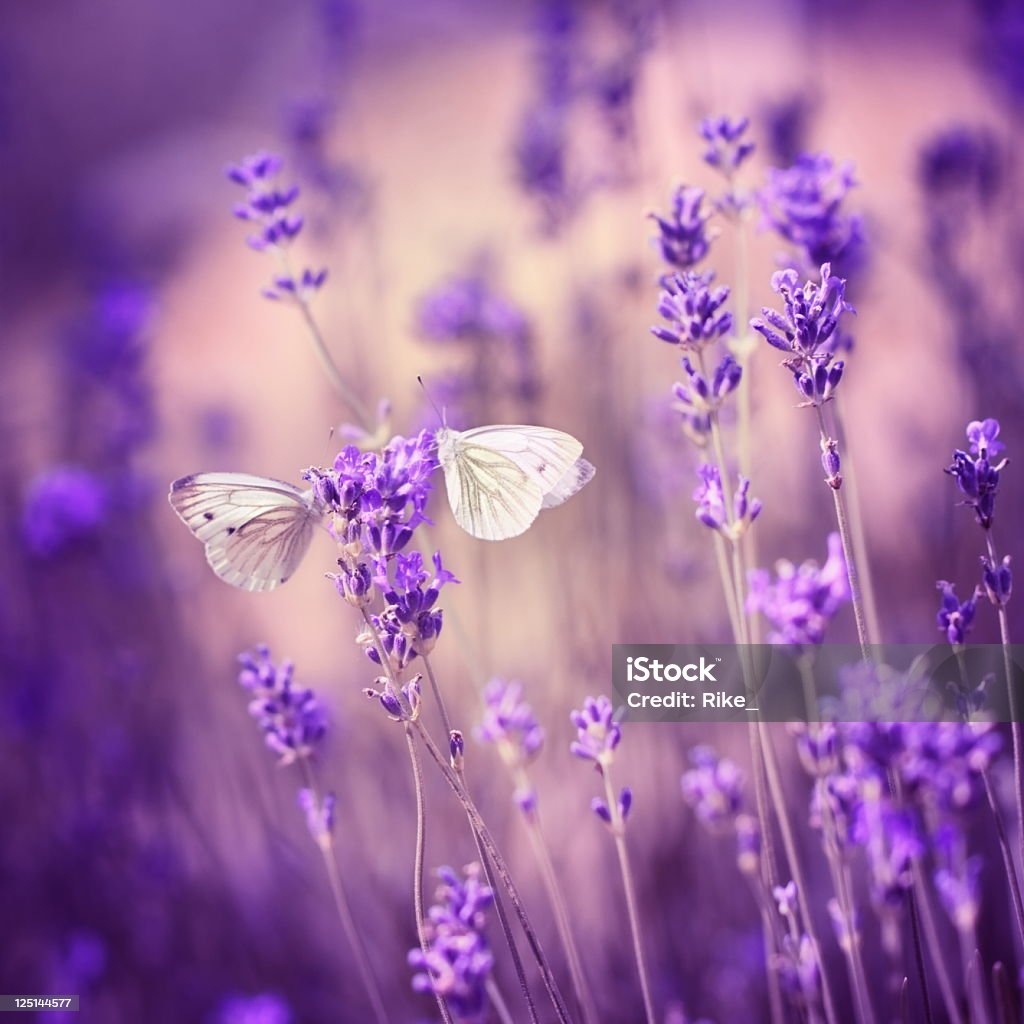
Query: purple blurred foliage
(492, 343)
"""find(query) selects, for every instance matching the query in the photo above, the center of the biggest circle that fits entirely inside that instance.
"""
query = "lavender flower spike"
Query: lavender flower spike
(683, 238)
(955, 616)
(597, 732)
(458, 960)
(693, 311)
(711, 508)
(293, 720)
(726, 150)
(974, 471)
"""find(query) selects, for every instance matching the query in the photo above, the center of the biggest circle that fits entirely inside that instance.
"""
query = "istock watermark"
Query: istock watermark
(834, 682)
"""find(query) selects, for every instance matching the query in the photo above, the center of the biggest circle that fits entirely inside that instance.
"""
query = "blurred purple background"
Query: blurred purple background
(154, 860)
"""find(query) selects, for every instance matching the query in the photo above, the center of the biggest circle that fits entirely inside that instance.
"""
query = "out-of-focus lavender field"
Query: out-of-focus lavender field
(478, 182)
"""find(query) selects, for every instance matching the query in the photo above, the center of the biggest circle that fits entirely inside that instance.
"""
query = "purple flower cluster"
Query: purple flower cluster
(509, 723)
(976, 472)
(711, 506)
(467, 309)
(713, 787)
(65, 505)
(268, 207)
(726, 148)
(698, 397)
(804, 204)
(693, 310)
(597, 732)
(319, 813)
(955, 616)
(683, 238)
(807, 330)
(458, 960)
(293, 720)
(802, 600)
(960, 162)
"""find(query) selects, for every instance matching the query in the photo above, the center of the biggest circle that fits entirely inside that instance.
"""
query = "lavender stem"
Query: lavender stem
(618, 832)
(421, 838)
(344, 908)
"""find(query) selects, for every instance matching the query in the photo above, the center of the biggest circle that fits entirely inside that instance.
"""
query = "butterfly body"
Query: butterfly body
(499, 478)
(256, 530)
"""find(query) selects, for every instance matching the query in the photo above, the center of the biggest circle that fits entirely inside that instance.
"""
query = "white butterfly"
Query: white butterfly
(499, 478)
(256, 530)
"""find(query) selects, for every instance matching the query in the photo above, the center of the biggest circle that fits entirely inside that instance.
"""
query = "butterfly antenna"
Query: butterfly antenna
(440, 415)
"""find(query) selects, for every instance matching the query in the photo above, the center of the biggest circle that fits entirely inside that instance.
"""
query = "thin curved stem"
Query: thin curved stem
(479, 827)
(619, 834)
(421, 840)
(344, 908)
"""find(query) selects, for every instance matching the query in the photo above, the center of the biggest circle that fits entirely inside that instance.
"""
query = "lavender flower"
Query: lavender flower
(597, 732)
(807, 330)
(726, 149)
(458, 959)
(711, 507)
(319, 815)
(713, 787)
(509, 723)
(268, 208)
(957, 879)
(293, 720)
(804, 204)
(402, 704)
(65, 505)
(955, 616)
(683, 238)
(974, 471)
(699, 397)
(624, 803)
(803, 600)
(693, 310)
(998, 580)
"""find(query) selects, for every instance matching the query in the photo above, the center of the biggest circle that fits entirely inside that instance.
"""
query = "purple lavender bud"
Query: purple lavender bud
(801, 601)
(785, 897)
(293, 720)
(976, 476)
(713, 787)
(831, 463)
(748, 844)
(625, 803)
(597, 731)
(508, 722)
(457, 961)
(726, 149)
(727, 378)
(457, 749)
(525, 798)
(600, 808)
(955, 617)
(319, 816)
(808, 323)
(683, 239)
(998, 580)
(804, 205)
(693, 310)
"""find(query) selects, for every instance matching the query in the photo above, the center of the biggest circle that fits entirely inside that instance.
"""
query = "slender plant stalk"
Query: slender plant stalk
(417, 884)
(849, 554)
(501, 867)
(344, 907)
(588, 1012)
(619, 834)
(1006, 1010)
(498, 1001)
(327, 363)
(931, 934)
(840, 875)
(858, 535)
(1016, 726)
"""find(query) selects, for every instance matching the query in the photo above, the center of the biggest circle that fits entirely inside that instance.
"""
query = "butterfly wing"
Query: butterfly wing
(492, 498)
(579, 474)
(255, 530)
(543, 454)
